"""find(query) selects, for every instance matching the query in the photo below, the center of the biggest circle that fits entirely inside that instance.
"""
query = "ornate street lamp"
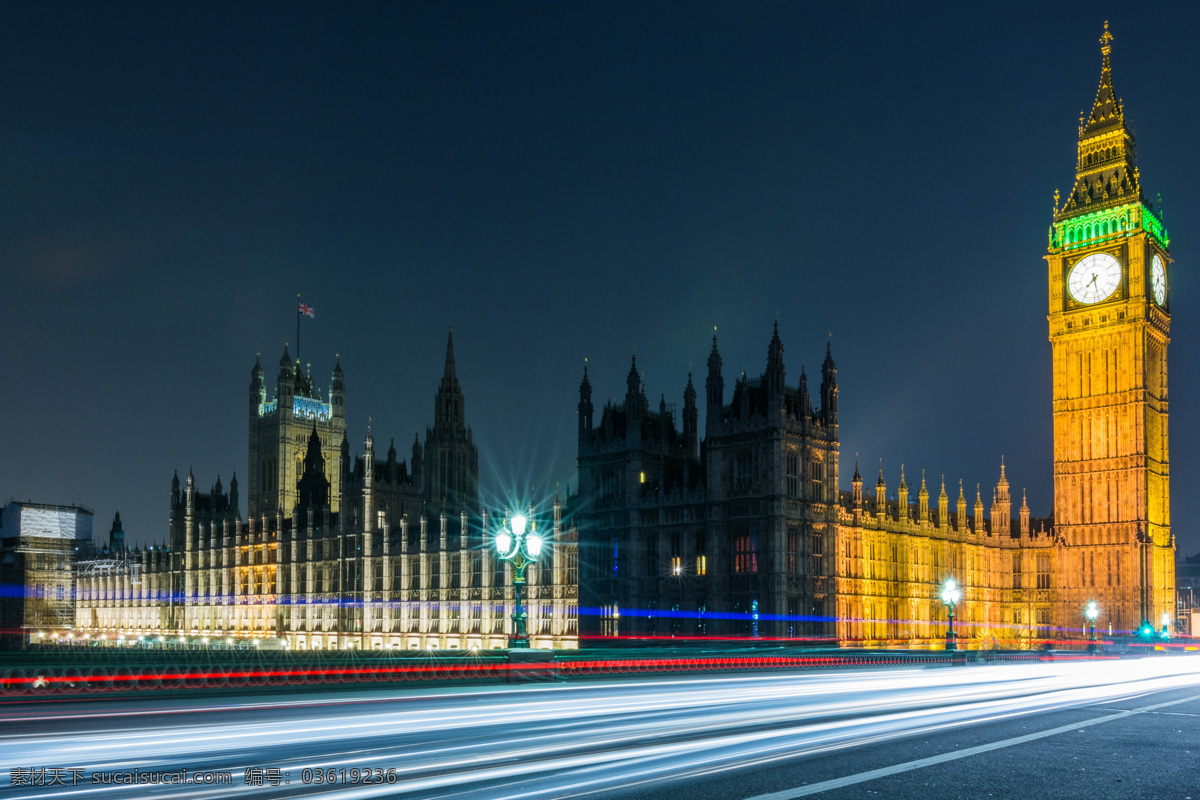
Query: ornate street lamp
(519, 550)
(950, 596)
(1166, 621)
(1091, 612)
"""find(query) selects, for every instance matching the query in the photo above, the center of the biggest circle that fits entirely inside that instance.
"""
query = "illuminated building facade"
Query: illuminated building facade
(405, 562)
(279, 434)
(1109, 273)
(747, 533)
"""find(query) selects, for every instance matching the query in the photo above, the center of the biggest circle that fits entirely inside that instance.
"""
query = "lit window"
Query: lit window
(643, 477)
(701, 565)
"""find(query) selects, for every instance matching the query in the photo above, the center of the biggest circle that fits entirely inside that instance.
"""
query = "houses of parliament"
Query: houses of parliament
(376, 554)
(742, 529)
(749, 532)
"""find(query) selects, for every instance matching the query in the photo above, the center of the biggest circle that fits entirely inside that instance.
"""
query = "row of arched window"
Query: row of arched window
(1097, 156)
(1080, 233)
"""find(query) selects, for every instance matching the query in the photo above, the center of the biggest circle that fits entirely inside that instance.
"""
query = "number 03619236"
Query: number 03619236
(353, 775)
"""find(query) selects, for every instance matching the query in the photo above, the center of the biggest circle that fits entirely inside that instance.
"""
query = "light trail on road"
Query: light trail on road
(538, 741)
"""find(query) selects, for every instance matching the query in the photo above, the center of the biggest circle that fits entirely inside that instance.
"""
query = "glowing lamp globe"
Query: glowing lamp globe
(503, 542)
(950, 594)
(518, 525)
(534, 544)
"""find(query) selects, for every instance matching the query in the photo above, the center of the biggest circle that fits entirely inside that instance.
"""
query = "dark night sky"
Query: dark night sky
(557, 181)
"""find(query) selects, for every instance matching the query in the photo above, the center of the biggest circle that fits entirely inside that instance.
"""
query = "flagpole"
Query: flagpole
(297, 326)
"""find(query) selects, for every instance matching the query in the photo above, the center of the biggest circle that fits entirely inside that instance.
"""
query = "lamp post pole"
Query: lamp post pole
(950, 596)
(677, 618)
(520, 550)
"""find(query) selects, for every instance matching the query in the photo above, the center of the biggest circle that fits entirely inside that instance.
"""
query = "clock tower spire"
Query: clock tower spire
(1109, 321)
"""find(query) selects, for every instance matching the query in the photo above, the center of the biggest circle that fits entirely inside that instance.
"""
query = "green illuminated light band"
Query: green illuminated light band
(1112, 223)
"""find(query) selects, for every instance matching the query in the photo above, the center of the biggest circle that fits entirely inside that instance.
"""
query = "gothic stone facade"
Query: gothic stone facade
(747, 533)
(405, 561)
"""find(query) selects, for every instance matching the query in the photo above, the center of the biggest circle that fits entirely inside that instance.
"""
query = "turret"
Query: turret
(337, 391)
(805, 401)
(1024, 515)
(923, 502)
(775, 369)
(881, 496)
(962, 508)
(1002, 506)
(978, 511)
(368, 482)
(585, 409)
(714, 387)
(285, 388)
(116, 536)
(189, 502)
(943, 507)
(856, 491)
(902, 498)
(258, 389)
(829, 387)
(691, 416)
(633, 391)
(449, 413)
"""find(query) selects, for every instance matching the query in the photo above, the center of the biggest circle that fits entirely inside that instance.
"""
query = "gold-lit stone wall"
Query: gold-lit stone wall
(1111, 459)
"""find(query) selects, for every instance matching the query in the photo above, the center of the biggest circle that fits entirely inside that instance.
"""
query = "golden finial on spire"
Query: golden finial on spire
(1106, 40)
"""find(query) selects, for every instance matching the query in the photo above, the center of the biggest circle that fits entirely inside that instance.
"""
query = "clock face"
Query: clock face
(1094, 278)
(1158, 279)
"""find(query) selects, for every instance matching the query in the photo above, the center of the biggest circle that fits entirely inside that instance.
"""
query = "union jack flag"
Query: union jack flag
(307, 311)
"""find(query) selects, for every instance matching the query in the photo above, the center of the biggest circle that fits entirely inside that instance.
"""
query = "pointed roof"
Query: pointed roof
(714, 357)
(775, 348)
(1106, 111)
(285, 360)
(1106, 168)
(314, 445)
(828, 364)
(857, 478)
(449, 373)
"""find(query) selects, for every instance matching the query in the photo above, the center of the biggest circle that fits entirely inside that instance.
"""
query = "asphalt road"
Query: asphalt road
(1084, 752)
(1091, 729)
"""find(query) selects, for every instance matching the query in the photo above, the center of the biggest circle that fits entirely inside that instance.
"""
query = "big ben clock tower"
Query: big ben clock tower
(1110, 300)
